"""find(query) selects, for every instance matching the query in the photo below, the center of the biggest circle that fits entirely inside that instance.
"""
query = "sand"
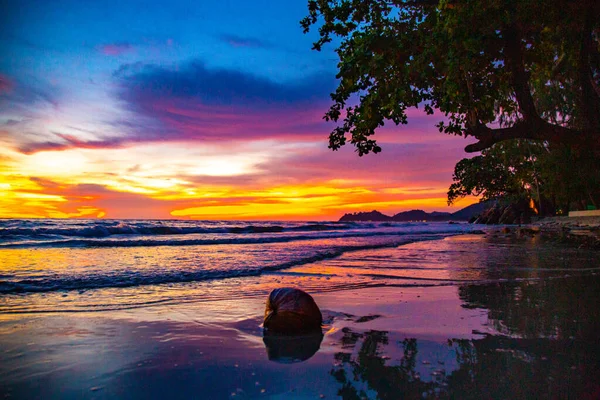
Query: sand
(496, 338)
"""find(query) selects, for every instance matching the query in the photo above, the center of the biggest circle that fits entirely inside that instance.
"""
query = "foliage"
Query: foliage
(487, 175)
(562, 177)
(521, 77)
(530, 69)
(571, 177)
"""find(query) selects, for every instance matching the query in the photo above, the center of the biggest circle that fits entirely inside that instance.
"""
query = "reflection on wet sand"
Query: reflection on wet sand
(558, 309)
(368, 372)
(503, 320)
(546, 347)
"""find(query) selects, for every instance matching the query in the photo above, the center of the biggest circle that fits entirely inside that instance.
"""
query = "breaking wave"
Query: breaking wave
(139, 278)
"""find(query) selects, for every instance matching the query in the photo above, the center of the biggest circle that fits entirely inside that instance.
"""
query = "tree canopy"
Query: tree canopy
(487, 175)
(501, 70)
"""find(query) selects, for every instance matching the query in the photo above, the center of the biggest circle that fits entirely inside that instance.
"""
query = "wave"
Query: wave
(87, 282)
(145, 242)
(102, 230)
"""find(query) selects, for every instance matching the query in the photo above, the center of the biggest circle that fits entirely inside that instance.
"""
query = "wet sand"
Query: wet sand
(531, 334)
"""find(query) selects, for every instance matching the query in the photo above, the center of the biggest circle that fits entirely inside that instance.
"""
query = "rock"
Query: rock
(508, 215)
(527, 231)
(365, 216)
(292, 311)
(490, 216)
(494, 216)
(482, 219)
(525, 219)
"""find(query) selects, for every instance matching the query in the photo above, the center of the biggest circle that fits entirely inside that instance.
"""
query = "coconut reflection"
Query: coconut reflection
(289, 349)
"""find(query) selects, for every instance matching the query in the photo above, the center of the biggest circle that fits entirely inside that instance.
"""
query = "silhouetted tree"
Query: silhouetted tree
(498, 70)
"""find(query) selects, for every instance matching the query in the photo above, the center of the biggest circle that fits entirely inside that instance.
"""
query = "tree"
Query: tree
(501, 70)
(488, 176)
(556, 177)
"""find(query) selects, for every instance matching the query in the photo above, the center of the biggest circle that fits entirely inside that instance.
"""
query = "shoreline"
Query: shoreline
(579, 232)
(520, 332)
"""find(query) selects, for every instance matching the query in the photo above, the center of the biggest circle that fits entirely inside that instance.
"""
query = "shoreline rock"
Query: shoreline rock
(505, 214)
(581, 232)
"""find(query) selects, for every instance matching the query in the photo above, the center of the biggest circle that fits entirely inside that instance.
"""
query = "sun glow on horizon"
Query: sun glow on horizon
(96, 183)
(139, 128)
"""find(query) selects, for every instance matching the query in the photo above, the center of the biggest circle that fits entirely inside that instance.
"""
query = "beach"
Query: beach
(300, 200)
(410, 311)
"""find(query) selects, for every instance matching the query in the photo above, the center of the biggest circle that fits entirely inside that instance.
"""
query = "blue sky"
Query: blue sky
(186, 106)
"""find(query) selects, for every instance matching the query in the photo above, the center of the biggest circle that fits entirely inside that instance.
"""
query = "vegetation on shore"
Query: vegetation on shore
(520, 77)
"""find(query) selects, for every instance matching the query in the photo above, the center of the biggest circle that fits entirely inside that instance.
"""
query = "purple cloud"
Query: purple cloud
(219, 86)
(115, 49)
(240, 41)
(23, 94)
(199, 103)
(5, 84)
(71, 142)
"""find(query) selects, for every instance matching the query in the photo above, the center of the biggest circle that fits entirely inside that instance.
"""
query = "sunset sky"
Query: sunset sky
(191, 109)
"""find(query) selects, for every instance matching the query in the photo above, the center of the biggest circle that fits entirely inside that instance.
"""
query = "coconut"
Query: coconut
(292, 311)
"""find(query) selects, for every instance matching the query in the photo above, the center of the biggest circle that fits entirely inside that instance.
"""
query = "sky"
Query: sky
(192, 110)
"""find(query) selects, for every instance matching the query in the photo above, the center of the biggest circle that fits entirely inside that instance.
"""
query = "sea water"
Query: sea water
(142, 309)
(51, 265)
(83, 265)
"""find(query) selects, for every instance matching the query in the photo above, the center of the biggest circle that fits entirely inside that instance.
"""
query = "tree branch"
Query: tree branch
(531, 126)
(533, 129)
(513, 56)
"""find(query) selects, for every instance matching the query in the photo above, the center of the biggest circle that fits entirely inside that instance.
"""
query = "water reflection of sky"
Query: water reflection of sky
(490, 338)
(168, 275)
(178, 353)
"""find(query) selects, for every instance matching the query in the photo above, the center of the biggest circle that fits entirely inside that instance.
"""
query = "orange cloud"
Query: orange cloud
(256, 180)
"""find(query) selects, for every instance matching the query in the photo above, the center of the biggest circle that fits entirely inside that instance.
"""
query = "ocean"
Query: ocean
(98, 265)
(105, 309)
(53, 265)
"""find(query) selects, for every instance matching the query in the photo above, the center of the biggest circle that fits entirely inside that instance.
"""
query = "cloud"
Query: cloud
(240, 41)
(398, 165)
(199, 105)
(189, 104)
(70, 142)
(218, 86)
(51, 198)
(119, 204)
(287, 181)
(194, 102)
(19, 95)
(26, 107)
(5, 84)
(12, 122)
(45, 183)
(115, 49)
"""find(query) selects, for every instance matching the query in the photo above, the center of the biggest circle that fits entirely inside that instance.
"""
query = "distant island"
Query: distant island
(464, 214)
